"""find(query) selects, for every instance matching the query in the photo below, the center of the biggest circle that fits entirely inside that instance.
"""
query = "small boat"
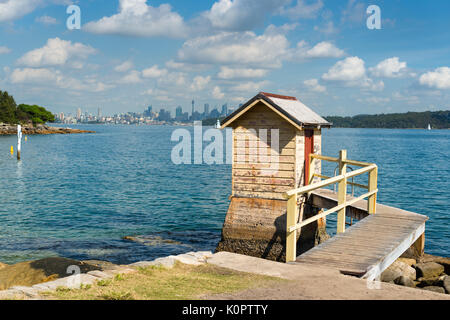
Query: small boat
(429, 126)
(218, 124)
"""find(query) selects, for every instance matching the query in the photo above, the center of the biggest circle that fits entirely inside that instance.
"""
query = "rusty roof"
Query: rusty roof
(289, 107)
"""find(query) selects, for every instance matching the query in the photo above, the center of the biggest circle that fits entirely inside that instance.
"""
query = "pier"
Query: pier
(367, 248)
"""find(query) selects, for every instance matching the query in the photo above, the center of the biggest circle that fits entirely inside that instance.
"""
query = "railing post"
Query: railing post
(372, 201)
(342, 191)
(291, 237)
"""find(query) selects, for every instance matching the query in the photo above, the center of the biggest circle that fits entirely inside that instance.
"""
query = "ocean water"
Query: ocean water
(77, 196)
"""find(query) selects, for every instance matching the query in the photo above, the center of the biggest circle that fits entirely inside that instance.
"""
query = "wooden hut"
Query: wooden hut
(272, 137)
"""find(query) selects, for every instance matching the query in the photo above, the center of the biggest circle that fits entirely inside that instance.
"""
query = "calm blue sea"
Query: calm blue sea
(77, 195)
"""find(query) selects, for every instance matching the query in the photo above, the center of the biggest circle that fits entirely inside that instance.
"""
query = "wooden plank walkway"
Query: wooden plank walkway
(371, 245)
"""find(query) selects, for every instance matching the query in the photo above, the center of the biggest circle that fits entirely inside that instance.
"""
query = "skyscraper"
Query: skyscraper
(79, 114)
(206, 113)
(99, 113)
(193, 103)
(224, 109)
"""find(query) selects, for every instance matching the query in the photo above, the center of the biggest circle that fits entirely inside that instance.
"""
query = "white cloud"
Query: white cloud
(238, 48)
(250, 86)
(352, 73)
(124, 67)
(328, 28)
(240, 73)
(355, 12)
(136, 18)
(349, 69)
(313, 85)
(14, 9)
(217, 93)
(133, 76)
(389, 68)
(4, 50)
(50, 77)
(241, 15)
(439, 78)
(55, 53)
(303, 9)
(199, 83)
(324, 50)
(154, 72)
(47, 20)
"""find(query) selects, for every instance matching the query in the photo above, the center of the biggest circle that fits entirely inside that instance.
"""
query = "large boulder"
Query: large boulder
(441, 260)
(428, 270)
(396, 270)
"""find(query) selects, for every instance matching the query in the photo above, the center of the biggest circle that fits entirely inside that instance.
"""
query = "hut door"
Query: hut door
(309, 148)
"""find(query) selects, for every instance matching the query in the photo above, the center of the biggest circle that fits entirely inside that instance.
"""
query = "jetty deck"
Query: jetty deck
(371, 245)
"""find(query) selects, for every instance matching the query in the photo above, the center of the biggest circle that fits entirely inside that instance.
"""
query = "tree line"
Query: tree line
(11, 113)
(409, 120)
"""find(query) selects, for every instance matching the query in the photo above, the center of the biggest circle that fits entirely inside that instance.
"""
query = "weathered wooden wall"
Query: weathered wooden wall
(254, 176)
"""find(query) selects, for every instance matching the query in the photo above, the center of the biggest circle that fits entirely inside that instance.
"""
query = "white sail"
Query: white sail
(429, 126)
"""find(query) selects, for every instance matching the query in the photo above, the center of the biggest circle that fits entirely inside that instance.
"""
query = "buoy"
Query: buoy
(12, 150)
(26, 138)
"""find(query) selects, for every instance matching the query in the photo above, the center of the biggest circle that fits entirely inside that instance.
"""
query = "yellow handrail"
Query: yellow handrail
(292, 209)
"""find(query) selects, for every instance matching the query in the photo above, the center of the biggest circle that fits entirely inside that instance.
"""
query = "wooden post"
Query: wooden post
(291, 237)
(19, 140)
(372, 201)
(419, 246)
(342, 191)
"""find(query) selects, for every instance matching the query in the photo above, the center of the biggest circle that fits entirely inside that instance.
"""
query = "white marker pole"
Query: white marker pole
(19, 140)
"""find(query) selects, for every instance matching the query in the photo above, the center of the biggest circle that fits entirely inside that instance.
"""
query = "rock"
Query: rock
(2, 265)
(408, 261)
(441, 260)
(72, 282)
(398, 269)
(187, 259)
(446, 284)
(429, 270)
(27, 291)
(102, 265)
(201, 256)
(434, 289)
(426, 282)
(99, 274)
(33, 272)
(404, 281)
(167, 262)
(150, 240)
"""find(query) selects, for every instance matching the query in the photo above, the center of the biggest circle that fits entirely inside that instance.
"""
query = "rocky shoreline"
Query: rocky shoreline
(6, 129)
(427, 273)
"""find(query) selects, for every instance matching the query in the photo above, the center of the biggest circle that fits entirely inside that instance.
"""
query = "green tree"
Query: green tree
(7, 108)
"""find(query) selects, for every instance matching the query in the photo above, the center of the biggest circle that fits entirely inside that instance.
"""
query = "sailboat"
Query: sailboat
(218, 124)
(429, 126)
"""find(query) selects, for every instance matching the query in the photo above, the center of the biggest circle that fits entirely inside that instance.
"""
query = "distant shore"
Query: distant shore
(6, 129)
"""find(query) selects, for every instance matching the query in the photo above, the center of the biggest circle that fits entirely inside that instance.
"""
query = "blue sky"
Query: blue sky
(132, 53)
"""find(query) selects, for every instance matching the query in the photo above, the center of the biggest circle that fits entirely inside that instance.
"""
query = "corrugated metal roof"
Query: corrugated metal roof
(290, 107)
(299, 111)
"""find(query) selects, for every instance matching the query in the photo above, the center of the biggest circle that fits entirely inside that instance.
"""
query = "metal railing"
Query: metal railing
(293, 226)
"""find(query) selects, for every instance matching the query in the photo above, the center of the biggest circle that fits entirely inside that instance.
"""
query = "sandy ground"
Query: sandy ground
(307, 282)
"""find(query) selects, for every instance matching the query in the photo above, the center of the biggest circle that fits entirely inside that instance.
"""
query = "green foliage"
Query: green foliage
(10, 113)
(409, 120)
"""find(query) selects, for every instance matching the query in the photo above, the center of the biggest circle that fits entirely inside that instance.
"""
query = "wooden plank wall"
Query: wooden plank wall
(254, 176)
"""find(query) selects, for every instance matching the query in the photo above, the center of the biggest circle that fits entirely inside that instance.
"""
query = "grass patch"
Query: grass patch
(180, 283)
